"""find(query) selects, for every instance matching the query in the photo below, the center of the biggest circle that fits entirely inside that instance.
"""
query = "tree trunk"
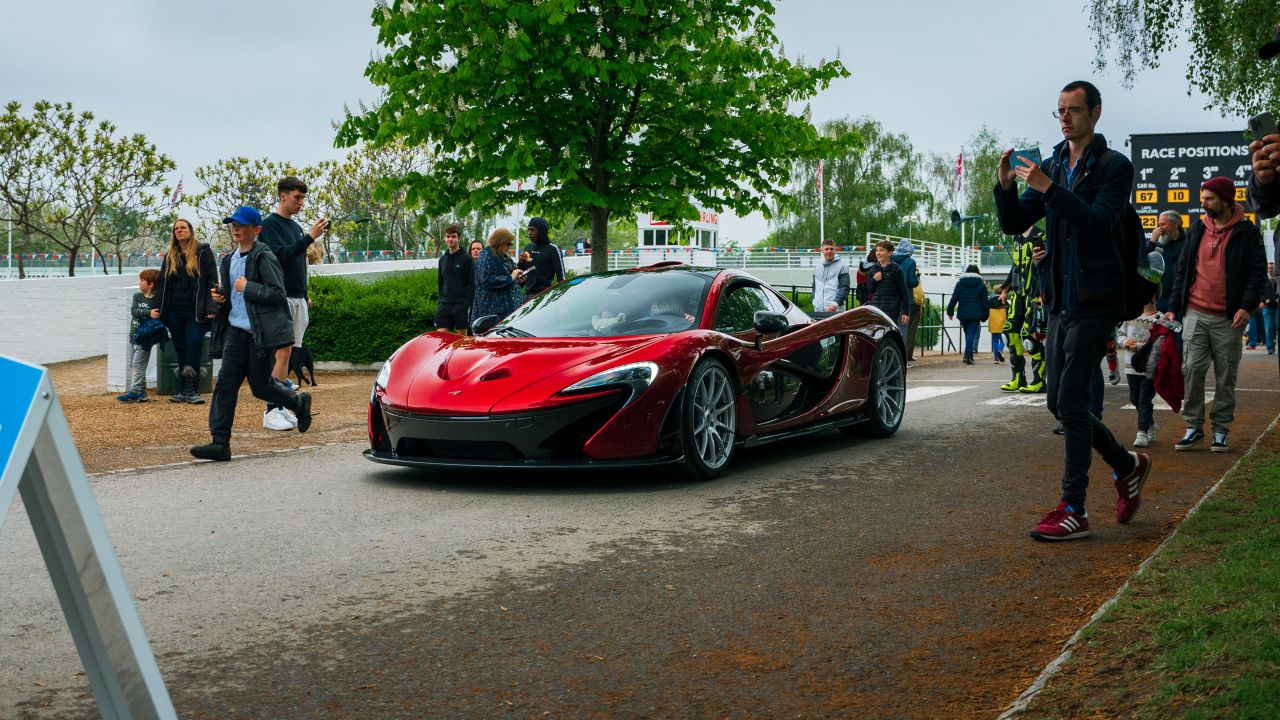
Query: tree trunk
(599, 238)
(120, 263)
(22, 268)
(71, 262)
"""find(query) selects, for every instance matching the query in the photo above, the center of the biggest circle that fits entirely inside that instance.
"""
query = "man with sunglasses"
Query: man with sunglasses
(1082, 192)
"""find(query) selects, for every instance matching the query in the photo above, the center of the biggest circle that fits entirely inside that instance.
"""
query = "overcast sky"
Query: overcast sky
(261, 78)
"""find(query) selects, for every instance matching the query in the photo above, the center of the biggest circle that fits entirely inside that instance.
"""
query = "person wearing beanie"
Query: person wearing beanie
(540, 259)
(911, 274)
(1219, 281)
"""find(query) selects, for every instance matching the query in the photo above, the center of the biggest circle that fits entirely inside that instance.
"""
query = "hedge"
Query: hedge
(364, 322)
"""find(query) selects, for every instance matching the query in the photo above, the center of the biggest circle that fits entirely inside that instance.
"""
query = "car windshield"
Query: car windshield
(613, 305)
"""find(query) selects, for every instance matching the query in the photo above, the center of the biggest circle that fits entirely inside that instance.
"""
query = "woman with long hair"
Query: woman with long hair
(184, 303)
(497, 279)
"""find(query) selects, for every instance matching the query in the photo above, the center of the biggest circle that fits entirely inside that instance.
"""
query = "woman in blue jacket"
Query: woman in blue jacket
(970, 295)
(497, 284)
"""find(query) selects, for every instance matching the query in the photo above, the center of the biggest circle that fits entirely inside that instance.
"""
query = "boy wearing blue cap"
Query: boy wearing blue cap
(252, 322)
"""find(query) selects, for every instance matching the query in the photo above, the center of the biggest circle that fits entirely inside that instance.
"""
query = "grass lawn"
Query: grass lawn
(1197, 635)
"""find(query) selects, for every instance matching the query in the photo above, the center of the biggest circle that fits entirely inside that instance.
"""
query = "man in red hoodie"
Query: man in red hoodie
(1219, 280)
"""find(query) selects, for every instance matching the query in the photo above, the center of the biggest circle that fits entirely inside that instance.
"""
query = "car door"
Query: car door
(788, 376)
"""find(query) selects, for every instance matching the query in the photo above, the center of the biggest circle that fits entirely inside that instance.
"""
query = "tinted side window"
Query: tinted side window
(737, 310)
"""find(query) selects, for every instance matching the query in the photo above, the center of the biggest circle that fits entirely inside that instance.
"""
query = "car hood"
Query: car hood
(470, 375)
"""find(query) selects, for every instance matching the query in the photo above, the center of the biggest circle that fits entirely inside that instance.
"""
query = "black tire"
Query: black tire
(886, 394)
(708, 420)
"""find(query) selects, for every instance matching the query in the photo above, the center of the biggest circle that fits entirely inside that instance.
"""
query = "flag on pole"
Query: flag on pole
(819, 185)
(959, 172)
(177, 193)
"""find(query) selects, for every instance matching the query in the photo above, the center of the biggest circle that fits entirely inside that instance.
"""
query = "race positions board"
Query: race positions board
(1168, 170)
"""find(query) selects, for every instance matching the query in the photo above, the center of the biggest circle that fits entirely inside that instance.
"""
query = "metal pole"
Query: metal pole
(822, 205)
(8, 210)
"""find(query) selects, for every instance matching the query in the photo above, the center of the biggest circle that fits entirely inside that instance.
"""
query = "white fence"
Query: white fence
(57, 319)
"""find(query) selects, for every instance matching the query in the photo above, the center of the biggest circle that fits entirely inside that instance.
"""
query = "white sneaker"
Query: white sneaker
(1153, 431)
(288, 415)
(1142, 440)
(275, 420)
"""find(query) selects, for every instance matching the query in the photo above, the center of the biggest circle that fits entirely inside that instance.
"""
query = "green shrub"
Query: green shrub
(362, 322)
(929, 329)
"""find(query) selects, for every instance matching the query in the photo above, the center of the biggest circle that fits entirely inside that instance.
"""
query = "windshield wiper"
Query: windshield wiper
(509, 331)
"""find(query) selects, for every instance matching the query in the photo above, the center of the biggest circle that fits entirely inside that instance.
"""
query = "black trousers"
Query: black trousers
(240, 360)
(1075, 350)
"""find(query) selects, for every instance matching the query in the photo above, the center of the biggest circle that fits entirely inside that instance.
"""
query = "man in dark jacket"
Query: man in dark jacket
(1220, 280)
(284, 237)
(456, 283)
(970, 294)
(246, 333)
(889, 288)
(1082, 192)
(540, 259)
(1170, 240)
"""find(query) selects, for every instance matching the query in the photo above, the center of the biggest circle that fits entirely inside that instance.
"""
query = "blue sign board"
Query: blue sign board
(19, 383)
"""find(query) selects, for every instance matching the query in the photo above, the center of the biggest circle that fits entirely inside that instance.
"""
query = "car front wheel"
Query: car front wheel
(709, 420)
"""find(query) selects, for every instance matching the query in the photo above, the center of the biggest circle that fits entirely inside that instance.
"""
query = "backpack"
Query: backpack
(917, 292)
(1132, 243)
(1133, 253)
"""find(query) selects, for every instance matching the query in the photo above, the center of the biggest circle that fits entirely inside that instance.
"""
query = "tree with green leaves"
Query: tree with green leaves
(229, 183)
(358, 202)
(1224, 34)
(981, 158)
(875, 187)
(28, 172)
(604, 106)
(61, 169)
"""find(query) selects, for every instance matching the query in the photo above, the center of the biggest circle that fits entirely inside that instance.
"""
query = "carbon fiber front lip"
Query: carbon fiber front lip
(387, 458)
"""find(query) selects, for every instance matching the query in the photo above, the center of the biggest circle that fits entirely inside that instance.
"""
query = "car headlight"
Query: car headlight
(636, 376)
(384, 375)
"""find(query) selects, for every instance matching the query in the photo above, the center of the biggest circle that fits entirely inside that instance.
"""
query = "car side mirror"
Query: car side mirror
(484, 324)
(765, 321)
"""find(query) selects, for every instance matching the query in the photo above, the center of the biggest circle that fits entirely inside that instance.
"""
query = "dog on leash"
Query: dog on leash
(301, 364)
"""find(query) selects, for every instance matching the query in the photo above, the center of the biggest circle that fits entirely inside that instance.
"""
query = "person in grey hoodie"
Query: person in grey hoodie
(830, 281)
(910, 274)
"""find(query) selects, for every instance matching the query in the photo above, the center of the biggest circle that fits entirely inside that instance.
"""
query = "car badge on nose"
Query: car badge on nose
(454, 393)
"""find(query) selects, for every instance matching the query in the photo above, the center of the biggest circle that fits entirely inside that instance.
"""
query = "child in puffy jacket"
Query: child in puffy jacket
(1131, 336)
(139, 354)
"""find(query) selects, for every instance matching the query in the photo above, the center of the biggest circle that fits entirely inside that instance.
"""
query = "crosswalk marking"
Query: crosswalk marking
(924, 392)
(1018, 400)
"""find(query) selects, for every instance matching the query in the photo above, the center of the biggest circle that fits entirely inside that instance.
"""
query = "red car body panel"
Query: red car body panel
(442, 375)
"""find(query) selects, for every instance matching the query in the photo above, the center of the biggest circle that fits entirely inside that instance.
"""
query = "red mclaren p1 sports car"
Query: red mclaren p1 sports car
(661, 364)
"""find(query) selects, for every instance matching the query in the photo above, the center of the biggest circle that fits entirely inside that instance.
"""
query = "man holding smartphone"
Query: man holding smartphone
(1082, 192)
(284, 237)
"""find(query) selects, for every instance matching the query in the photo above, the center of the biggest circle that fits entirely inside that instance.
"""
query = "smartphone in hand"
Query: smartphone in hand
(1032, 154)
(1262, 125)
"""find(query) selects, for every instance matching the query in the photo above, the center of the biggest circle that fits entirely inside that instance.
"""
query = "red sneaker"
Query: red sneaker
(1063, 523)
(1129, 487)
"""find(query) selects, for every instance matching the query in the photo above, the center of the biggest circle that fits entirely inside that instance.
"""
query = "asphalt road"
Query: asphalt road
(829, 578)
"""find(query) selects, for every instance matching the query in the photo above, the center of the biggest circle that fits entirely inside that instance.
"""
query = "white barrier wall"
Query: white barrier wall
(52, 320)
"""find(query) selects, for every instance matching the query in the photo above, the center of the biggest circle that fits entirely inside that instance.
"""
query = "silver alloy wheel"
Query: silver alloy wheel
(891, 387)
(715, 422)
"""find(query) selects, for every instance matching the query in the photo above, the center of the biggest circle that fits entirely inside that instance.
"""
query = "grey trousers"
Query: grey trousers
(1209, 339)
(139, 356)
